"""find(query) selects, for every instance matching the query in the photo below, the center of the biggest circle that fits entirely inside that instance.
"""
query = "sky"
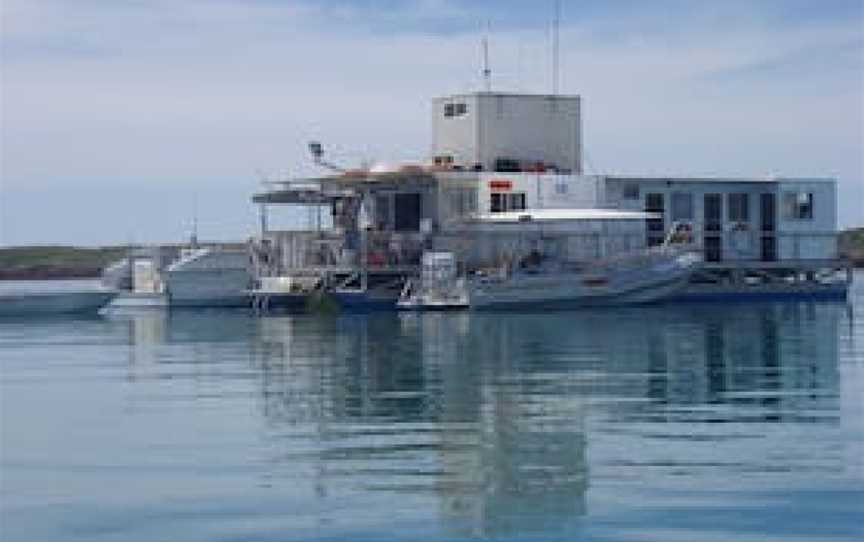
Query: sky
(122, 120)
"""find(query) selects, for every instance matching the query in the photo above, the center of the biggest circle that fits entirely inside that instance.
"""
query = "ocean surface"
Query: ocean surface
(685, 422)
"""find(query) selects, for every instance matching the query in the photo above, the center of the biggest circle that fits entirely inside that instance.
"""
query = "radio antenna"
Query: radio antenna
(487, 72)
(556, 22)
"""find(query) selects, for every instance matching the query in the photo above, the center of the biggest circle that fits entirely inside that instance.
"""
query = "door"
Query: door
(768, 222)
(712, 238)
(406, 212)
(656, 227)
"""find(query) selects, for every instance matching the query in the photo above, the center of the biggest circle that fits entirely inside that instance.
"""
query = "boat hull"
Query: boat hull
(53, 303)
(629, 286)
(362, 301)
(207, 288)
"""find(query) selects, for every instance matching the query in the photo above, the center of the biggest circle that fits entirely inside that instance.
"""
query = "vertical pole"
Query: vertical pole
(556, 24)
(364, 248)
(263, 218)
(487, 72)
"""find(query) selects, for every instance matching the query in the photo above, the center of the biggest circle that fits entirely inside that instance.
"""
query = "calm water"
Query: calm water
(677, 423)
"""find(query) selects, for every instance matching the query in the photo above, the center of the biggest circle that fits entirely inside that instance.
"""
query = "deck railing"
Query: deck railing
(283, 252)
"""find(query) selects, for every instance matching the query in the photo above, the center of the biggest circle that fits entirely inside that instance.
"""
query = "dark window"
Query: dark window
(713, 249)
(406, 212)
(769, 249)
(455, 109)
(713, 212)
(497, 203)
(768, 211)
(630, 191)
(507, 165)
(382, 212)
(738, 207)
(517, 202)
(656, 226)
(682, 206)
(501, 202)
(798, 205)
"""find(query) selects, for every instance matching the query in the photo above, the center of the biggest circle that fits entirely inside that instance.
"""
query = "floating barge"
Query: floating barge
(496, 153)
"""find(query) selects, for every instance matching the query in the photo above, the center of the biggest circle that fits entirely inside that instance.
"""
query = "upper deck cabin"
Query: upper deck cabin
(505, 132)
(738, 219)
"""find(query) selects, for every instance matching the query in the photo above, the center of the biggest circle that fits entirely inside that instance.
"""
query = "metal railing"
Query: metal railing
(282, 252)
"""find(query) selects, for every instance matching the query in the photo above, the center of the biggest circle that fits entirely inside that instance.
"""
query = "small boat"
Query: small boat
(57, 302)
(360, 293)
(439, 287)
(647, 276)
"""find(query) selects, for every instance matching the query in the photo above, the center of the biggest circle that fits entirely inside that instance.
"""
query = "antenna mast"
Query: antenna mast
(555, 24)
(487, 72)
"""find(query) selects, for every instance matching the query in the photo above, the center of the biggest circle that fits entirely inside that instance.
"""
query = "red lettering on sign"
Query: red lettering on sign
(500, 185)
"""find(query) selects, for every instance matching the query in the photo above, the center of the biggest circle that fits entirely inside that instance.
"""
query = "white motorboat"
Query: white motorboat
(208, 277)
(54, 302)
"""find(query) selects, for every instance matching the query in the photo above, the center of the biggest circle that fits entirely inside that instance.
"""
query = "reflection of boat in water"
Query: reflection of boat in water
(46, 303)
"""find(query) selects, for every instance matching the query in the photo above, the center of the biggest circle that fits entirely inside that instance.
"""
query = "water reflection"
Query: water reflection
(491, 412)
(504, 420)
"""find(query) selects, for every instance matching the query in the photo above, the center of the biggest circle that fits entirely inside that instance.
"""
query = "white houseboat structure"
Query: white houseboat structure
(504, 153)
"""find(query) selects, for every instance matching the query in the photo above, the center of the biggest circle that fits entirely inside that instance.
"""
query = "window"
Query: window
(497, 203)
(455, 109)
(630, 191)
(561, 187)
(655, 227)
(517, 202)
(713, 211)
(682, 206)
(798, 205)
(738, 207)
(503, 202)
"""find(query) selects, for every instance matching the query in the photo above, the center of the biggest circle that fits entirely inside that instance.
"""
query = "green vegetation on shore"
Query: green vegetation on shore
(49, 262)
(851, 246)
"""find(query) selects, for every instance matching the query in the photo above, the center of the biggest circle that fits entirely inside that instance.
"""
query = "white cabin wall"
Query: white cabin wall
(543, 190)
(530, 128)
(813, 237)
(456, 136)
(796, 238)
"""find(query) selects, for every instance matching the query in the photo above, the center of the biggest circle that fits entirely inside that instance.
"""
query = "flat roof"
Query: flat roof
(510, 95)
(544, 215)
(636, 178)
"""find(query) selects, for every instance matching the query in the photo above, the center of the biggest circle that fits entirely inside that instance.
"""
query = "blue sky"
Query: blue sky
(122, 119)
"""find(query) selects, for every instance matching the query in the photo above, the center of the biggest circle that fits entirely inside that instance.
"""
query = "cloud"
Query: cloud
(204, 92)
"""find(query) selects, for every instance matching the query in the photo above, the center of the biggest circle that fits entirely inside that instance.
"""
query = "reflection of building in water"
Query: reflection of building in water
(487, 411)
(513, 445)
(778, 358)
(386, 396)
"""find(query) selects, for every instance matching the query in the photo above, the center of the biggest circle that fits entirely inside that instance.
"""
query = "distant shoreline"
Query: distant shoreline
(56, 262)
